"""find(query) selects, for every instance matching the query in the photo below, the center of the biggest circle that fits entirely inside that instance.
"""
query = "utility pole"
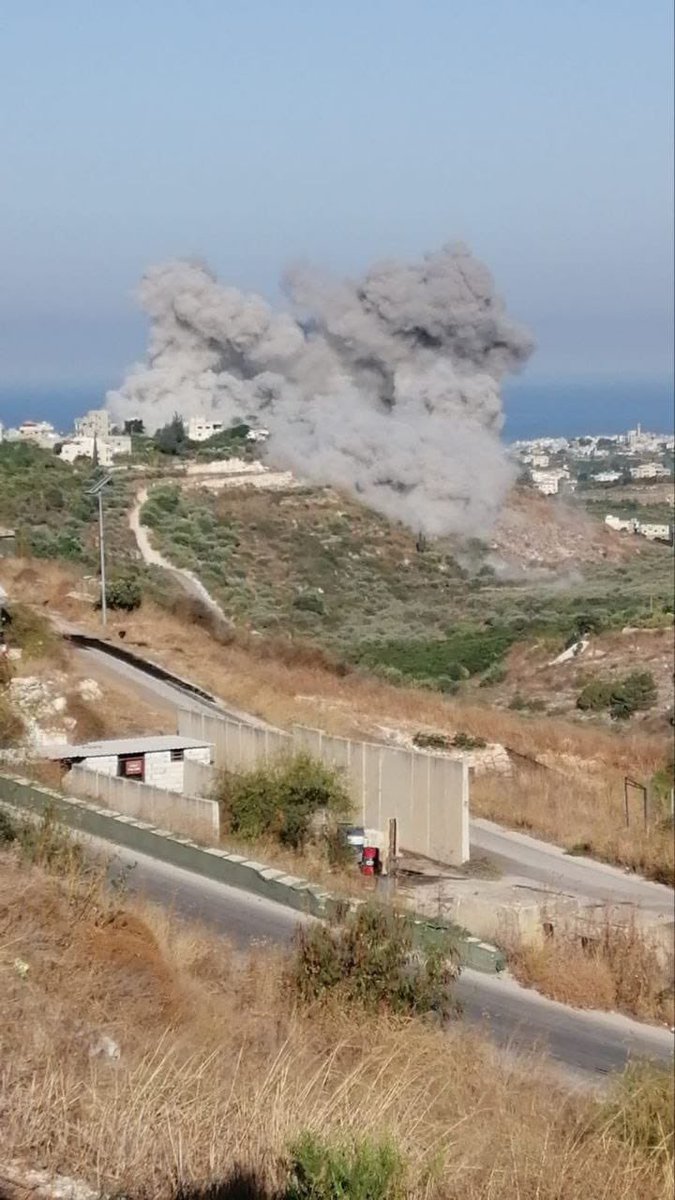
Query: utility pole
(97, 490)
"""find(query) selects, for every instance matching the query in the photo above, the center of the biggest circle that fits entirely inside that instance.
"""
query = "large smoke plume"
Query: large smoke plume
(387, 387)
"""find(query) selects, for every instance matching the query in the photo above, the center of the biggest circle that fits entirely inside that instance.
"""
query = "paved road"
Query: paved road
(515, 854)
(158, 692)
(528, 858)
(588, 1044)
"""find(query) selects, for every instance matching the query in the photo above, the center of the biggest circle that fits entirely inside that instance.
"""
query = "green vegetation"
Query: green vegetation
(661, 513)
(313, 566)
(281, 800)
(438, 741)
(124, 592)
(349, 1170)
(370, 961)
(623, 697)
(45, 500)
(462, 653)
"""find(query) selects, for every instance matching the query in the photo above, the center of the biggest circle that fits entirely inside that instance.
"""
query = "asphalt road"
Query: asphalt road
(515, 854)
(589, 1045)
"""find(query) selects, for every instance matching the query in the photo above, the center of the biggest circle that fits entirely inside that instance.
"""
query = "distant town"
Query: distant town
(602, 468)
(95, 437)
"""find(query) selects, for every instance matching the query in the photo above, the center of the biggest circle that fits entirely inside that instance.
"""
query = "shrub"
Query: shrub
(281, 799)
(310, 602)
(358, 1170)
(494, 674)
(635, 693)
(595, 696)
(431, 741)
(124, 593)
(466, 741)
(370, 961)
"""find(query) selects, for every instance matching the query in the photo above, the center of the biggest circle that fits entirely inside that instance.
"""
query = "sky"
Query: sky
(251, 133)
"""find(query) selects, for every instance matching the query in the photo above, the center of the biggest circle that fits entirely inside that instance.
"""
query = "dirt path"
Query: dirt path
(153, 558)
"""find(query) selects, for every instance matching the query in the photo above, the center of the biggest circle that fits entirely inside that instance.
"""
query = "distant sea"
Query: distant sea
(533, 409)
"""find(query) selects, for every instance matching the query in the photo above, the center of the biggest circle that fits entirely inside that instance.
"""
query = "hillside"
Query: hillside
(310, 564)
(573, 796)
(313, 565)
(150, 1059)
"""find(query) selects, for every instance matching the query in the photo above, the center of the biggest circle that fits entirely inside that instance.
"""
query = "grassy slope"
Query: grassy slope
(217, 1069)
(579, 800)
(315, 565)
(45, 501)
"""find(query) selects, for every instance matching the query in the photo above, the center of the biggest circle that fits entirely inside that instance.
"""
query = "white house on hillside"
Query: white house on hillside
(200, 429)
(105, 449)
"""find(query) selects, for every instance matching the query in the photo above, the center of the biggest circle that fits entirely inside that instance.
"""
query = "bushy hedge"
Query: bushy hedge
(282, 799)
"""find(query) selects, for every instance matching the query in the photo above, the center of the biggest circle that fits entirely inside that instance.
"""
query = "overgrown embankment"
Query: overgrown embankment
(148, 1059)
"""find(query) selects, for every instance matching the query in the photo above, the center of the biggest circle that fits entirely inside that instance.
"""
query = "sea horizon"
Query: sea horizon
(533, 408)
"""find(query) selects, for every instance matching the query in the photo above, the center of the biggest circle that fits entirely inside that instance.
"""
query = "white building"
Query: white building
(158, 761)
(650, 470)
(95, 423)
(621, 525)
(655, 533)
(257, 435)
(200, 429)
(41, 433)
(105, 449)
(606, 477)
(548, 482)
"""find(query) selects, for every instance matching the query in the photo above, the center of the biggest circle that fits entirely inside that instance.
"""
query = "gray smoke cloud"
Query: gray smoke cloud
(387, 387)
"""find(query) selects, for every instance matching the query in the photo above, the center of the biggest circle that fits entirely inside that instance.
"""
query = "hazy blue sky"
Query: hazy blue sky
(249, 132)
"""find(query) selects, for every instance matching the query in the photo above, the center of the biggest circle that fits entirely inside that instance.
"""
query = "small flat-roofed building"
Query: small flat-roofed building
(157, 760)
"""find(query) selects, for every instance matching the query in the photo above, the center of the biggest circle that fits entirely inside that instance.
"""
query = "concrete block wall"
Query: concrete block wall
(191, 816)
(428, 794)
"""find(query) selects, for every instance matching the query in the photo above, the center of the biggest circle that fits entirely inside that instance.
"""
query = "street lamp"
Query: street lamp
(97, 490)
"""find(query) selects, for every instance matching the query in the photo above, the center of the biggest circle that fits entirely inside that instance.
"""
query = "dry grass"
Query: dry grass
(583, 813)
(617, 967)
(299, 686)
(217, 1068)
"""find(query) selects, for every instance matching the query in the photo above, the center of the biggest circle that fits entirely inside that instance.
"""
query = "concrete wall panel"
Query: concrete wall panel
(196, 818)
(428, 794)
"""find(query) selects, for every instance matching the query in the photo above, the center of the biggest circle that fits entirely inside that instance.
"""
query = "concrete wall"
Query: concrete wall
(198, 778)
(230, 869)
(427, 793)
(196, 818)
(160, 770)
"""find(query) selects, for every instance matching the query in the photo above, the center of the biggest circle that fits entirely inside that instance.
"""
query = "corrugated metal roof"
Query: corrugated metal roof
(130, 745)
